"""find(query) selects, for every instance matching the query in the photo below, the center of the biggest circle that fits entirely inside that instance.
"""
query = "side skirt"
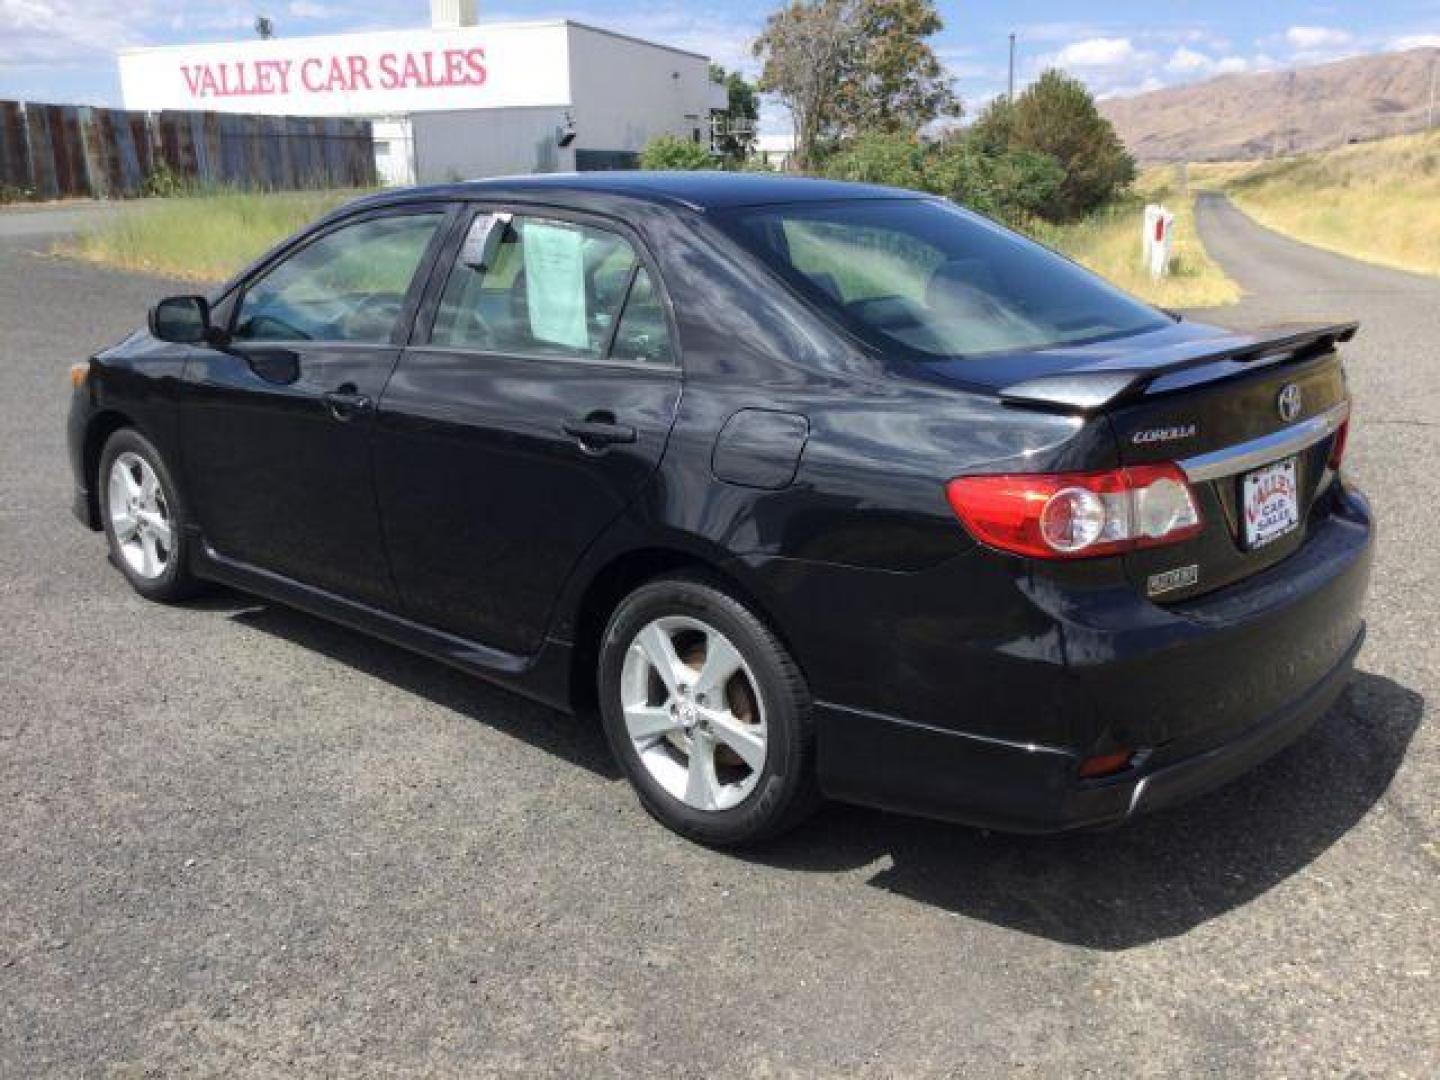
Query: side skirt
(543, 677)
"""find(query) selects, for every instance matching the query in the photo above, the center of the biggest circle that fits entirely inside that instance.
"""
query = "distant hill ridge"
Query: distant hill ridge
(1244, 117)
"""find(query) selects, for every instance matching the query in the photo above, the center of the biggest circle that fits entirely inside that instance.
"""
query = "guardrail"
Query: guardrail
(54, 151)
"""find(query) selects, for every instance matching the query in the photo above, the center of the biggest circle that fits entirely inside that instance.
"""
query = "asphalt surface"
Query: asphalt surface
(237, 840)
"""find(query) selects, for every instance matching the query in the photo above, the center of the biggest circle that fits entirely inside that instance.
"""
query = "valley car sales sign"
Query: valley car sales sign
(372, 74)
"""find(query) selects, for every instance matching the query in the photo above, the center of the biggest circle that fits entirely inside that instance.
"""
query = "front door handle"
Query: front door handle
(595, 434)
(347, 402)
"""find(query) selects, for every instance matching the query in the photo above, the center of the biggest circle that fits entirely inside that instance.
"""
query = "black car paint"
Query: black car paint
(807, 472)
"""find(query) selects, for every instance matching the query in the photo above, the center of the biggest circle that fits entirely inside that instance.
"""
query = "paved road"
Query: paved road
(239, 840)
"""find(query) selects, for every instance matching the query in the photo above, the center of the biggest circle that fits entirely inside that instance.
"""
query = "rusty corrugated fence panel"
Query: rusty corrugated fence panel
(214, 155)
(14, 147)
(130, 175)
(42, 155)
(71, 176)
(97, 156)
(66, 150)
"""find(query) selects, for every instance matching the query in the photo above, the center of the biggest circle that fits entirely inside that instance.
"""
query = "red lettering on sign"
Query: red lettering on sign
(310, 74)
(476, 59)
(359, 73)
(338, 74)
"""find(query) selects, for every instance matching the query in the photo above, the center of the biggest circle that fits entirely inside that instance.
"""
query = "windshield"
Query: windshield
(932, 281)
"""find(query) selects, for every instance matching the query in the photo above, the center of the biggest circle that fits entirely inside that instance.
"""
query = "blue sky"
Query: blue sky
(62, 50)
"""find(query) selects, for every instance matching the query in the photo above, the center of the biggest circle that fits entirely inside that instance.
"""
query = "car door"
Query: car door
(537, 407)
(276, 424)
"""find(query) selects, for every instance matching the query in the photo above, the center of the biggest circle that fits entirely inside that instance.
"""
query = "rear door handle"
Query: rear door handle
(598, 434)
(347, 403)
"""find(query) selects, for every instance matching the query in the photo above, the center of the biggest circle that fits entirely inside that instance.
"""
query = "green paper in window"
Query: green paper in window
(555, 284)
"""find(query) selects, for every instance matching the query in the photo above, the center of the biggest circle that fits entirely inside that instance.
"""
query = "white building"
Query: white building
(457, 100)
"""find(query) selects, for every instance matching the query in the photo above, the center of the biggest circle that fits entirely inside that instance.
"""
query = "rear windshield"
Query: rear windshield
(927, 279)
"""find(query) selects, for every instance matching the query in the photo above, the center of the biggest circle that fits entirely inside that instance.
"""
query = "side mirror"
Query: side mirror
(184, 320)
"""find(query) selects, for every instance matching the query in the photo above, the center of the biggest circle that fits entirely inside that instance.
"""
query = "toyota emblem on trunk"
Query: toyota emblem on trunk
(1289, 402)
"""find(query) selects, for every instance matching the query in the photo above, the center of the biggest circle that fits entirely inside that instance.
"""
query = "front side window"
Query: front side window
(349, 285)
(926, 280)
(537, 287)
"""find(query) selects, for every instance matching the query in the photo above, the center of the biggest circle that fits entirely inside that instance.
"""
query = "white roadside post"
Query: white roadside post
(1156, 239)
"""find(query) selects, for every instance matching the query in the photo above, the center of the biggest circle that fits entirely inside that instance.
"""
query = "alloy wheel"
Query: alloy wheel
(140, 516)
(693, 713)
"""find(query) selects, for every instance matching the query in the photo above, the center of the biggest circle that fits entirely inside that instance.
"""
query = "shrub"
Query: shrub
(671, 153)
(1011, 186)
(896, 160)
(163, 182)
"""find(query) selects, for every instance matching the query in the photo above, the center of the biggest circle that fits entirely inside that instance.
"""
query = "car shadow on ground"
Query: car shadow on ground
(1154, 878)
(1157, 876)
(579, 744)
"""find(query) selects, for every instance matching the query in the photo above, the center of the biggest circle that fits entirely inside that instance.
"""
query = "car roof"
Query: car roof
(700, 191)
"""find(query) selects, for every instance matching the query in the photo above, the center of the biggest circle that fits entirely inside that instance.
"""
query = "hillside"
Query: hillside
(1246, 117)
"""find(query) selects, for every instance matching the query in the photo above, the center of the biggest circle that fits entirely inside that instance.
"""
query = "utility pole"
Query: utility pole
(1430, 113)
(1010, 98)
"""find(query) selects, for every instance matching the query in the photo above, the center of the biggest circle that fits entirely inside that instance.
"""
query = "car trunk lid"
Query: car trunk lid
(1251, 418)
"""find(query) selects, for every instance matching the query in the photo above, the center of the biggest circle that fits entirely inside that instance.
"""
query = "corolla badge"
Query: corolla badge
(1289, 402)
(1164, 434)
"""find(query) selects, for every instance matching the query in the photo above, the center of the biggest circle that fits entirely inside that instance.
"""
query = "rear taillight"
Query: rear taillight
(1077, 515)
(1337, 445)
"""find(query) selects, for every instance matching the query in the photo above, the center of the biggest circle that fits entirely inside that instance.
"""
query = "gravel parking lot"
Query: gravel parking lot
(238, 840)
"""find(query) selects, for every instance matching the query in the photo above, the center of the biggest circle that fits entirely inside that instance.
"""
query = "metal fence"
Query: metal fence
(52, 151)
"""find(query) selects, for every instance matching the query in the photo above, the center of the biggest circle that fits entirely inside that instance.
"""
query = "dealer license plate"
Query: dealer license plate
(1270, 503)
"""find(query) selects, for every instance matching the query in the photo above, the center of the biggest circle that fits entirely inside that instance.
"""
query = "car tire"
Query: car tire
(144, 516)
(720, 752)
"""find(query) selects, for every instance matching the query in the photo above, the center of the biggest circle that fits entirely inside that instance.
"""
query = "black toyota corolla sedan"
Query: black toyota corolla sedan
(813, 489)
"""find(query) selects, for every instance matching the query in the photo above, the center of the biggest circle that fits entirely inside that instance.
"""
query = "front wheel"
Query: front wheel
(707, 713)
(141, 510)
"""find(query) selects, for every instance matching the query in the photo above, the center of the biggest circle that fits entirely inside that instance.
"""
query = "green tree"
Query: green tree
(894, 81)
(671, 153)
(993, 128)
(1057, 116)
(742, 112)
(845, 67)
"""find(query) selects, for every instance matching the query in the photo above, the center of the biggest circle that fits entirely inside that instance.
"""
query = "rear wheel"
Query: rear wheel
(141, 510)
(707, 713)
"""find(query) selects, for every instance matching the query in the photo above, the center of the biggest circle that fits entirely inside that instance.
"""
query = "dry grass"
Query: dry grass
(1377, 201)
(1108, 242)
(204, 237)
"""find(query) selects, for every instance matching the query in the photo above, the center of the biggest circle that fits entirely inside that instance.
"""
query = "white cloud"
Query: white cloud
(36, 33)
(1097, 52)
(1189, 64)
(1314, 38)
(1151, 82)
(1185, 61)
(1414, 41)
(307, 9)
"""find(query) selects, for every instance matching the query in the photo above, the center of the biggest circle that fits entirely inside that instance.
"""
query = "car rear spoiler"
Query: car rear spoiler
(1090, 390)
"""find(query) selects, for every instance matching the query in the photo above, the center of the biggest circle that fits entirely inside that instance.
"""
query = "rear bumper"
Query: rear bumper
(1026, 788)
(980, 697)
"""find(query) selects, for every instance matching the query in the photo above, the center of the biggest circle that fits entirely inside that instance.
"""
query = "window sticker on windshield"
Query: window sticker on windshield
(555, 283)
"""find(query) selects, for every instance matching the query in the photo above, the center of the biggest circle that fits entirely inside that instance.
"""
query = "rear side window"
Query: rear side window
(349, 285)
(929, 281)
(553, 288)
(643, 335)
